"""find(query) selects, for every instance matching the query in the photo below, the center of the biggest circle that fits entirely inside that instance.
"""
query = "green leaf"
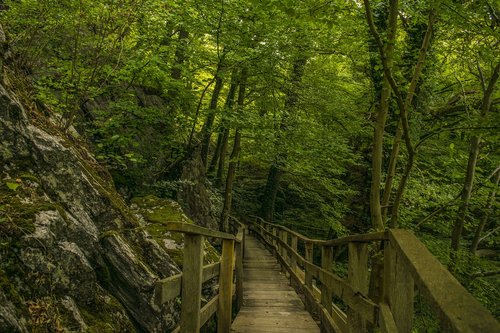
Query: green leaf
(12, 186)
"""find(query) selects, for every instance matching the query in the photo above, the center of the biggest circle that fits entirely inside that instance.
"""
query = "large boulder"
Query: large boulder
(73, 256)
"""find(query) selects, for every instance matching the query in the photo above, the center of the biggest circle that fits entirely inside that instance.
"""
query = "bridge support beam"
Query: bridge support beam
(191, 283)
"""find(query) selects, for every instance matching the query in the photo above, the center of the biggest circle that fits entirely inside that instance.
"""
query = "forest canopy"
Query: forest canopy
(331, 117)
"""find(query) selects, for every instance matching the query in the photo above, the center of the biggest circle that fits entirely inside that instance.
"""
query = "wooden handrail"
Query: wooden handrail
(192, 229)
(188, 284)
(457, 309)
(406, 264)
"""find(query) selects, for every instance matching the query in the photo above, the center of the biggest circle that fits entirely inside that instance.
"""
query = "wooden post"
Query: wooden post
(266, 236)
(358, 279)
(239, 273)
(225, 287)
(191, 283)
(309, 257)
(326, 264)
(275, 233)
(284, 250)
(294, 247)
(278, 243)
(398, 289)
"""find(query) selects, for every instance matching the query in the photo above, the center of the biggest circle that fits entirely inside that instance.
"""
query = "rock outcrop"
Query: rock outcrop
(73, 256)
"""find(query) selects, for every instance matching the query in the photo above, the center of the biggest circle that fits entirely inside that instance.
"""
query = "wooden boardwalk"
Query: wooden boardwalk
(269, 303)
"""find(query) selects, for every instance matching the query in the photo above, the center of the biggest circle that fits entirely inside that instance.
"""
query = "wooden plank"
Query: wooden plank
(239, 275)
(399, 289)
(309, 259)
(339, 318)
(328, 324)
(169, 288)
(327, 265)
(457, 310)
(225, 287)
(361, 238)
(360, 303)
(358, 279)
(376, 236)
(210, 271)
(270, 304)
(208, 310)
(386, 320)
(293, 253)
(191, 283)
(189, 228)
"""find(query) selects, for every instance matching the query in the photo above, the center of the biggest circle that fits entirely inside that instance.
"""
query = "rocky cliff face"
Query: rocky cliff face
(73, 256)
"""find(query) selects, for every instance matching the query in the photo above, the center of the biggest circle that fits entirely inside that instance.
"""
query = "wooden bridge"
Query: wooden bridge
(265, 267)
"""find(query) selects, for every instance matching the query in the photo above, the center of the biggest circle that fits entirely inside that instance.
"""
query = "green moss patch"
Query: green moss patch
(157, 210)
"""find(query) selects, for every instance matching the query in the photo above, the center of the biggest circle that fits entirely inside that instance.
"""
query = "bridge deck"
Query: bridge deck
(269, 303)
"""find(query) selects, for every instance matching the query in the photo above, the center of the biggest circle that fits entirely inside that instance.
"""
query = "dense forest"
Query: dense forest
(329, 117)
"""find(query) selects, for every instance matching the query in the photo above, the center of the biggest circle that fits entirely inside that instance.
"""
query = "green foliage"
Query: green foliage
(126, 77)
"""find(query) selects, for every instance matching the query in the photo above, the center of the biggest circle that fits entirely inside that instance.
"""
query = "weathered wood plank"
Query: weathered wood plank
(169, 288)
(457, 310)
(188, 228)
(208, 310)
(398, 289)
(345, 291)
(225, 287)
(191, 283)
(239, 275)
(326, 264)
(386, 320)
(270, 304)
(358, 280)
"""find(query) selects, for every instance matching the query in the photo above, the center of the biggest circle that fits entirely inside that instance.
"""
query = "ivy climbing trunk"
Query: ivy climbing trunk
(206, 131)
(378, 137)
(233, 162)
(419, 67)
(484, 220)
(180, 54)
(219, 157)
(276, 170)
(471, 164)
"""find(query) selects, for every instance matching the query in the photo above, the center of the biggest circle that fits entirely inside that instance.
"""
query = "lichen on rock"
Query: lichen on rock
(73, 256)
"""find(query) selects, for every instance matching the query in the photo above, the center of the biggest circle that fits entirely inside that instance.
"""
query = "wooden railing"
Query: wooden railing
(188, 284)
(404, 265)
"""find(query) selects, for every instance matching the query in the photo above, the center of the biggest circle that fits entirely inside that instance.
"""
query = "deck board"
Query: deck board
(270, 305)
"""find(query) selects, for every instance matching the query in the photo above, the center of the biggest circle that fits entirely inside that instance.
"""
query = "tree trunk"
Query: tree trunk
(270, 191)
(276, 170)
(482, 224)
(471, 165)
(180, 54)
(218, 160)
(419, 67)
(231, 172)
(222, 158)
(378, 136)
(206, 131)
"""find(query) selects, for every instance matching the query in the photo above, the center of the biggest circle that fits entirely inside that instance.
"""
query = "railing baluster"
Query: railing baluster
(326, 264)
(309, 257)
(275, 233)
(294, 247)
(239, 272)
(191, 283)
(225, 287)
(358, 278)
(398, 289)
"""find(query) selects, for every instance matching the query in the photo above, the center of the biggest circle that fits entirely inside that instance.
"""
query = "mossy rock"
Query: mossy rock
(158, 210)
(19, 205)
